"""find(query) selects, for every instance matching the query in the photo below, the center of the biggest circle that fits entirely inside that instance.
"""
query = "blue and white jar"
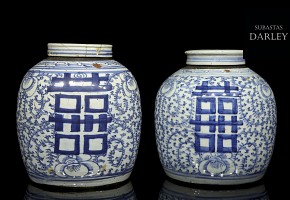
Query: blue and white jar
(215, 120)
(79, 117)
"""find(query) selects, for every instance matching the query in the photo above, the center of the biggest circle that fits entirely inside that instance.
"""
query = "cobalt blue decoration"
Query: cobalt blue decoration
(215, 120)
(79, 117)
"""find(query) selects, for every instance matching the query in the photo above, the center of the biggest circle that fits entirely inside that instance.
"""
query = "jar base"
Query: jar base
(82, 183)
(216, 181)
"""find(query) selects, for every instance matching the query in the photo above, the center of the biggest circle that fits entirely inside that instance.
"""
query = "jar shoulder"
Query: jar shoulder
(78, 64)
(189, 79)
(221, 71)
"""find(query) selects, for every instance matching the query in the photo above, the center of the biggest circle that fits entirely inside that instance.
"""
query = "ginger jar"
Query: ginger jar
(215, 120)
(79, 117)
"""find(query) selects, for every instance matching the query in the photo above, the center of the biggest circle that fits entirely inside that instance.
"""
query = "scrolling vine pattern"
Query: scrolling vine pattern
(177, 138)
(37, 135)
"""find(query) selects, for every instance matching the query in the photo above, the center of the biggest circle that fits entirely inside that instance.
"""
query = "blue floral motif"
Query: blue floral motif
(76, 166)
(217, 164)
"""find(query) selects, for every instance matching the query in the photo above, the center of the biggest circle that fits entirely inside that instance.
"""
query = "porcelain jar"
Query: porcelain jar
(215, 120)
(79, 117)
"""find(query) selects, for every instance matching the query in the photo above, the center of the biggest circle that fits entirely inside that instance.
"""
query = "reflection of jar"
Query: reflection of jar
(124, 191)
(215, 120)
(173, 191)
(79, 117)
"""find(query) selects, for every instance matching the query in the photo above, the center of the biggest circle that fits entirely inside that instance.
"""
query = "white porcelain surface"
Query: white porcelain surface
(215, 57)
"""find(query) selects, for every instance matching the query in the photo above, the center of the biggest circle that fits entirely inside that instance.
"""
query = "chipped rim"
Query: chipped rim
(79, 50)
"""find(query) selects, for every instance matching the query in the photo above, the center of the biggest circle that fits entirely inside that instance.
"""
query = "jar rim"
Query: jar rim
(77, 45)
(79, 50)
(215, 57)
(215, 52)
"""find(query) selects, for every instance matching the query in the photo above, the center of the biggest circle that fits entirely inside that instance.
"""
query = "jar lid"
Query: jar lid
(79, 50)
(215, 57)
